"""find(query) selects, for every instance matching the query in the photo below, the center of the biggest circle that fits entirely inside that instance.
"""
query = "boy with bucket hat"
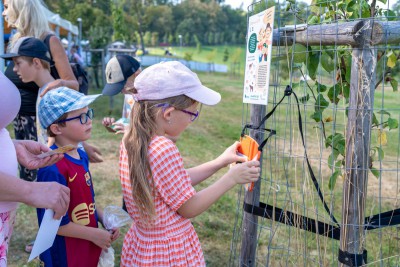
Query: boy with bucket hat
(65, 114)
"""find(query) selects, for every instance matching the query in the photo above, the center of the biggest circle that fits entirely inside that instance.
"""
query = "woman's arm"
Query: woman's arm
(63, 67)
(49, 195)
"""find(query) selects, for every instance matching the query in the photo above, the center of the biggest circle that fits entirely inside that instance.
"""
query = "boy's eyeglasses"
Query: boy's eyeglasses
(193, 116)
(83, 118)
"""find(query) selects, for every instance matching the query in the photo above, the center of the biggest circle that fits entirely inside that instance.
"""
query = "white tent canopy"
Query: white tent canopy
(56, 20)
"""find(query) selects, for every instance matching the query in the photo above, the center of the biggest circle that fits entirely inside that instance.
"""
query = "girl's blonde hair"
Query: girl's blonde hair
(29, 19)
(141, 130)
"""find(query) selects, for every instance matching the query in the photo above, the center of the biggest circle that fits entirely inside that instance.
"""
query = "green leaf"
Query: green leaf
(304, 99)
(394, 84)
(338, 165)
(312, 65)
(389, 14)
(334, 140)
(332, 179)
(327, 62)
(332, 157)
(381, 153)
(321, 103)
(333, 94)
(365, 9)
(317, 116)
(341, 147)
(346, 91)
(383, 1)
(313, 20)
(299, 53)
(392, 58)
(384, 112)
(375, 121)
(320, 87)
(375, 172)
(347, 60)
(393, 123)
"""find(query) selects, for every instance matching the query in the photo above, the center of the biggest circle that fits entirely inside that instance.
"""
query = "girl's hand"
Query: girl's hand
(114, 234)
(230, 155)
(108, 122)
(119, 128)
(245, 172)
(101, 238)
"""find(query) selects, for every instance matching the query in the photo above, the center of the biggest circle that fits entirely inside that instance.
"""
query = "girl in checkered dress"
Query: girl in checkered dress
(157, 189)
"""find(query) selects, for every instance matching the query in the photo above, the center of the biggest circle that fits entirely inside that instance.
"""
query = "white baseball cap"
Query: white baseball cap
(172, 78)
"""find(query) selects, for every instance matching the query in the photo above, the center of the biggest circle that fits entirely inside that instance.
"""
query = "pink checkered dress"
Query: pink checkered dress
(172, 240)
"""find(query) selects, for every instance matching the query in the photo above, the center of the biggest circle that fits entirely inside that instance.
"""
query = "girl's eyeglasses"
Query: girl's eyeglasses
(83, 118)
(193, 116)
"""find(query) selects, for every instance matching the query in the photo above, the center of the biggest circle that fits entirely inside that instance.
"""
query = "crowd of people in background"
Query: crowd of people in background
(39, 93)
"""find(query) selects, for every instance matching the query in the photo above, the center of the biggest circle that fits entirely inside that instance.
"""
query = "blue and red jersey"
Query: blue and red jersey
(68, 251)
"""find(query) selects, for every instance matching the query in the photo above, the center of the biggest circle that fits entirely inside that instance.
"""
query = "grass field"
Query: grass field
(207, 54)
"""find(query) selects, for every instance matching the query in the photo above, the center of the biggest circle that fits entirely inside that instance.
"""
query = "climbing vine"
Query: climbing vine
(337, 60)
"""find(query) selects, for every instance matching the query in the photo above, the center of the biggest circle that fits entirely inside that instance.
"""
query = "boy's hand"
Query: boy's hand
(93, 153)
(246, 172)
(114, 234)
(101, 238)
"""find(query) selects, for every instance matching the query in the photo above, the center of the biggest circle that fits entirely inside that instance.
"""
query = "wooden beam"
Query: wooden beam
(347, 33)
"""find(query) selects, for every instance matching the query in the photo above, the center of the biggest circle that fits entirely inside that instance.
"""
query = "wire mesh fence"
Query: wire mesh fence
(341, 59)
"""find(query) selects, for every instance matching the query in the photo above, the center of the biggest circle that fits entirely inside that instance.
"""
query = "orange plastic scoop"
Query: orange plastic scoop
(249, 148)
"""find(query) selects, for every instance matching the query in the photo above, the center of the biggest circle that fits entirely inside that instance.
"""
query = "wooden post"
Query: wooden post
(358, 135)
(250, 221)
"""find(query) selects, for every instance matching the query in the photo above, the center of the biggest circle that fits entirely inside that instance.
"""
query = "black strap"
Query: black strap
(288, 92)
(352, 260)
(53, 69)
(293, 219)
(309, 165)
(385, 219)
(388, 218)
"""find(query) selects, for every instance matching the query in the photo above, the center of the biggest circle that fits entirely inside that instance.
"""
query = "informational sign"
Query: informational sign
(258, 57)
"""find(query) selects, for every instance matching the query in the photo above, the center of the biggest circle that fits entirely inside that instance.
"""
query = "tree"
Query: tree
(159, 19)
(226, 55)
(118, 23)
(99, 37)
(154, 38)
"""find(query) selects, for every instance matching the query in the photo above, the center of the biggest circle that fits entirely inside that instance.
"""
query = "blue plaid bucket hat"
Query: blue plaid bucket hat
(59, 101)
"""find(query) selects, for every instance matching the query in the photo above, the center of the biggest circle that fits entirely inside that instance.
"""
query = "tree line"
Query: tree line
(155, 22)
